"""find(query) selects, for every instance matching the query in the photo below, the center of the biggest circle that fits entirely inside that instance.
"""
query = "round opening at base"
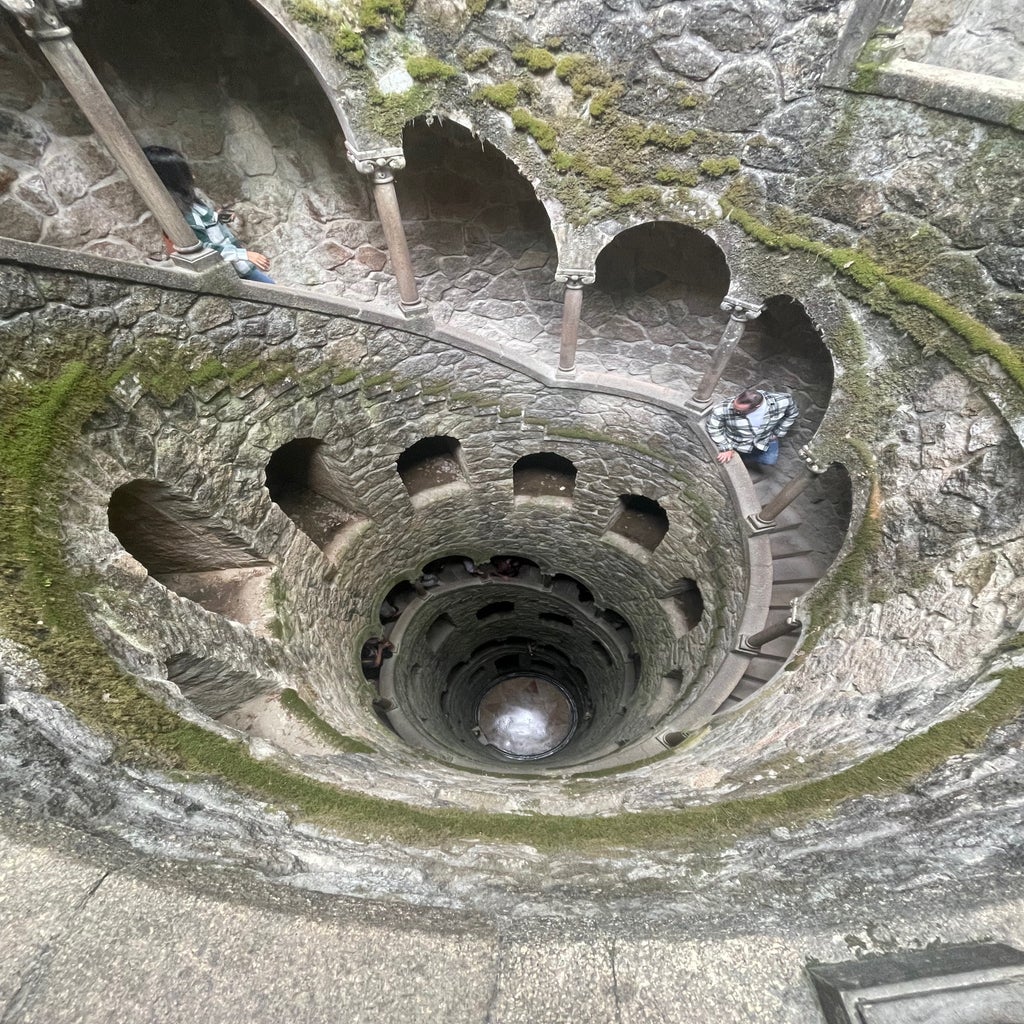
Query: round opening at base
(526, 716)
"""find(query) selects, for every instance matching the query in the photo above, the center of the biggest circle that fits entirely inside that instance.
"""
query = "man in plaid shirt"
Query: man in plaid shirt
(752, 424)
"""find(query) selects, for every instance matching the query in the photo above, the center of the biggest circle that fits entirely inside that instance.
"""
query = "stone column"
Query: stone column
(382, 163)
(740, 313)
(770, 511)
(753, 644)
(41, 22)
(574, 282)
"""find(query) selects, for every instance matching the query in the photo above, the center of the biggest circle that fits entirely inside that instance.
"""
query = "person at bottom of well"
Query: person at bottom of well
(751, 426)
(209, 224)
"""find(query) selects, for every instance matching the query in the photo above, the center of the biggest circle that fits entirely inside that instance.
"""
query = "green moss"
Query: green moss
(882, 286)
(534, 58)
(390, 111)
(429, 69)
(583, 74)
(644, 195)
(374, 15)
(660, 136)
(473, 60)
(309, 13)
(295, 705)
(717, 167)
(348, 46)
(671, 176)
(541, 132)
(476, 7)
(503, 96)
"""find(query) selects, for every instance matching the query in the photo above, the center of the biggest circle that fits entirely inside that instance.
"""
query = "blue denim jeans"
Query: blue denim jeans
(258, 275)
(766, 458)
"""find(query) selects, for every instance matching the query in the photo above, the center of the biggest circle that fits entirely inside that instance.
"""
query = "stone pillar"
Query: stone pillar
(770, 511)
(42, 23)
(753, 644)
(382, 163)
(574, 282)
(740, 313)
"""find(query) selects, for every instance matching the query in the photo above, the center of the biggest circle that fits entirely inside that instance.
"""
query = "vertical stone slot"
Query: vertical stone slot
(639, 521)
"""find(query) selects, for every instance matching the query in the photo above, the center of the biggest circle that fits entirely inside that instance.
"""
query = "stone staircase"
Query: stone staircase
(799, 560)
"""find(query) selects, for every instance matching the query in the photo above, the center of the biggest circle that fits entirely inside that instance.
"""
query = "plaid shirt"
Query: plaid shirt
(203, 221)
(731, 430)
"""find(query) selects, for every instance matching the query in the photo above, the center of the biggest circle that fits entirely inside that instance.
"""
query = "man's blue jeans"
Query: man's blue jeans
(258, 275)
(758, 458)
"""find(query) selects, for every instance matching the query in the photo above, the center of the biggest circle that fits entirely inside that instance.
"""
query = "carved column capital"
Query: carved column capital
(741, 309)
(41, 18)
(381, 163)
(811, 460)
(574, 278)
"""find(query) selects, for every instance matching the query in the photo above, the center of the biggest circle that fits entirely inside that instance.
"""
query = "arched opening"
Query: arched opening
(661, 283)
(480, 239)
(544, 475)
(684, 605)
(189, 551)
(488, 611)
(639, 520)
(307, 485)
(265, 145)
(433, 464)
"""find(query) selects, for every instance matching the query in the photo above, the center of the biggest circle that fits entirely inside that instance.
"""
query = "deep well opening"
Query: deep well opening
(528, 648)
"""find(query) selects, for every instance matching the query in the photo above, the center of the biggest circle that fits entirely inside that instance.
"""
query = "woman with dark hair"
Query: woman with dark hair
(208, 224)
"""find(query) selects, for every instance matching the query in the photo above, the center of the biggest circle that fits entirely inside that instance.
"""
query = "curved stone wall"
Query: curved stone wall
(144, 406)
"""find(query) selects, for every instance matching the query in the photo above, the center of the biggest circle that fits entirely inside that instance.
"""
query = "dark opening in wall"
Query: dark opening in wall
(310, 490)
(544, 474)
(686, 604)
(669, 265)
(495, 608)
(440, 629)
(506, 663)
(640, 520)
(463, 200)
(570, 588)
(555, 617)
(398, 598)
(189, 551)
(430, 464)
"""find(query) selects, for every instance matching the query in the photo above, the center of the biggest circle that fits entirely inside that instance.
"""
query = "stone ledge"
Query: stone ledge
(981, 97)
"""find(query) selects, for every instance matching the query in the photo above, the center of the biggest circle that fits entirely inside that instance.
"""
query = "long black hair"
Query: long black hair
(173, 170)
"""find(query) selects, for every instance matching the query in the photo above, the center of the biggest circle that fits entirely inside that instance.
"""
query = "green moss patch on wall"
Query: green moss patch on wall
(346, 43)
(296, 706)
(883, 291)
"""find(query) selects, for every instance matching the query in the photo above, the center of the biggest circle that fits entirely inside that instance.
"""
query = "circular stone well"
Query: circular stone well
(526, 717)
